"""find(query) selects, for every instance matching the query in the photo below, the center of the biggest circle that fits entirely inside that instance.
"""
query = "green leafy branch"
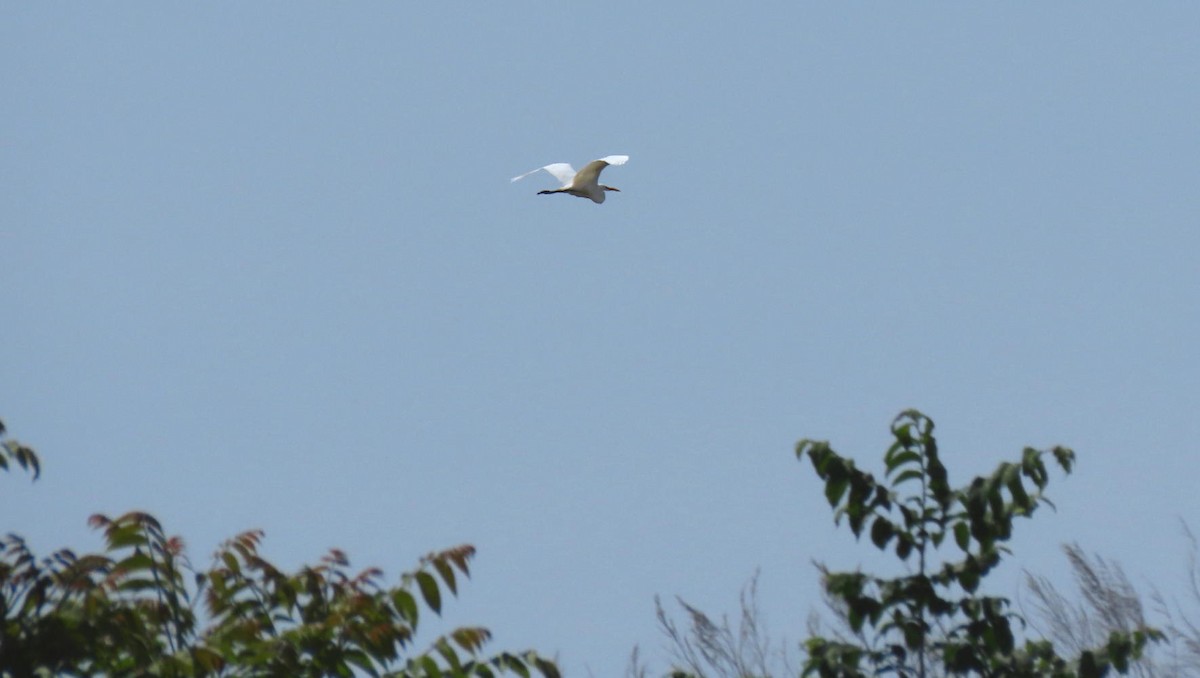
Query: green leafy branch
(936, 613)
(140, 608)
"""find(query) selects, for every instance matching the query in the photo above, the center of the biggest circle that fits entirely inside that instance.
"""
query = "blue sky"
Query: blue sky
(263, 268)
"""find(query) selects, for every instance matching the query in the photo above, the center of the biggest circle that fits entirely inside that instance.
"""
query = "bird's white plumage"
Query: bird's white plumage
(561, 171)
(615, 159)
(585, 183)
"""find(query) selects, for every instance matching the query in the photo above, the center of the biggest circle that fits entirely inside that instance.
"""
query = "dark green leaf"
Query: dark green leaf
(968, 576)
(207, 659)
(138, 561)
(1065, 458)
(406, 605)
(962, 535)
(835, 489)
(910, 474)
(903, 459)
(1020, 497)
(1088, 667)
(547, 668)
(363, 661)
(518, 667)
(443, 568)
(430, 591)
(430, 667)
(123, 536)
(135, 585)
(881, 532)
(443, 648)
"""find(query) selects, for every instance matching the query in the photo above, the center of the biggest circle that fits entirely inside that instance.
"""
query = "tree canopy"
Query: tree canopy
(141, 609)
(936, 620)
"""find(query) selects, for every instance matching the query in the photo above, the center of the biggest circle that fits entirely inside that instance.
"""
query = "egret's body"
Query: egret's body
(582, 184)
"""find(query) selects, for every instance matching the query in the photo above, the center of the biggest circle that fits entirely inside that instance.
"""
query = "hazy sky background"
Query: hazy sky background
(262, 266)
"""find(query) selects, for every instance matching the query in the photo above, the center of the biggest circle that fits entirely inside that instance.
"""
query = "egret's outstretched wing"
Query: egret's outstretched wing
(533, 171)
(559, 170)
(616, 159)
(590, 174)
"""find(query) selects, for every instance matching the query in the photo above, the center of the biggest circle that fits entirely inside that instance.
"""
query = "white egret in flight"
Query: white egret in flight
(585, 183)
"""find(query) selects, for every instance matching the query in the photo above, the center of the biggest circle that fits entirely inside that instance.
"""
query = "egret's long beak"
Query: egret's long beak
(610, 188)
